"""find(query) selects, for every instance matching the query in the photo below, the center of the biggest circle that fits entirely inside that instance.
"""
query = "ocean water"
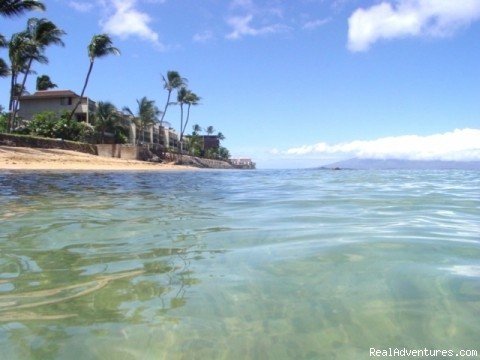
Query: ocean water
(299, 264)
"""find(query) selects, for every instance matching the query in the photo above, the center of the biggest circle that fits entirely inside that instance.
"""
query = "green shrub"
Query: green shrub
(44, 124)
(121, 138)
(3, 122)
(51, 125)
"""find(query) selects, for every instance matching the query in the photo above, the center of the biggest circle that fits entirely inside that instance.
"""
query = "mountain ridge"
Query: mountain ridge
(403, 164)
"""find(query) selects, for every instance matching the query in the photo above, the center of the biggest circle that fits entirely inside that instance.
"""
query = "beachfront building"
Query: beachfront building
(168, 136)
(210, 142)
(243, 163)
(164, 136)
(63, 101)
(57, 101)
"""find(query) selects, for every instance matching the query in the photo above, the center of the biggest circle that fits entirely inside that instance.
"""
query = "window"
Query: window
(66, 101)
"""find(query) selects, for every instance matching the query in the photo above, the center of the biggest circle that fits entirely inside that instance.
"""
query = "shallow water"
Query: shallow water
(238, 265)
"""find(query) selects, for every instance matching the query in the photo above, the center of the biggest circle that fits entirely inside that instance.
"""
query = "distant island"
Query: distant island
(401, 164)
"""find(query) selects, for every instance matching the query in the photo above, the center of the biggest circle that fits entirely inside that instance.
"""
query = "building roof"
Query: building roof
(50, 94)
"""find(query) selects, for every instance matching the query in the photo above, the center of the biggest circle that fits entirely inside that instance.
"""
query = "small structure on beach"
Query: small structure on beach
(242, 163)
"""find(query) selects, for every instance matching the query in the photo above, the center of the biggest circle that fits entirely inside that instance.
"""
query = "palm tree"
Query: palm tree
(4, 70)
(18, 7)
(20, 51)
(18, 59)
(3, 41)
(190, 99)
(173, 81)
(220, 136)
(106, 117)
(147, 114)
(44, 83)
(100, 46)
(3, 44)
(210, 130)
(10, 8)
(181, 100)
(196, 129)
(40, 33)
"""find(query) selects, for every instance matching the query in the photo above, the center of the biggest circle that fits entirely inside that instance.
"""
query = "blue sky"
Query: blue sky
(289, 83)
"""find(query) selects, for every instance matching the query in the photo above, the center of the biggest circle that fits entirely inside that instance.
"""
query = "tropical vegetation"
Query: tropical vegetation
(147, 115)
(51, 125)
(100, 46)
(108, 119)
(44, 83)
(18, 7)
(27, 47)
(173, 82)
(30, 46)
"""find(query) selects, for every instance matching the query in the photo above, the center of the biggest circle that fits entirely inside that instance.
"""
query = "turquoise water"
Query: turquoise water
(238, 265)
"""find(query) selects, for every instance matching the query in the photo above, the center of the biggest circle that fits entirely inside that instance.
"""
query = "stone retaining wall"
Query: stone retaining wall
(127, 152)
(45, 143)
(198, 162)
(149, 153)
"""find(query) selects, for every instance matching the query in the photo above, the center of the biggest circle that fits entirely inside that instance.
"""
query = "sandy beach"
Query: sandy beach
(22, 158)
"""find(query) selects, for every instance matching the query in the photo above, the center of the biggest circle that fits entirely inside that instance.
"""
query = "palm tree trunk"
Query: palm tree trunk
(12, 85)
(16, 103)
(186, 120)
(83, 90)
(166, 107)
(181, 127)
(13, 81)
(162, 133)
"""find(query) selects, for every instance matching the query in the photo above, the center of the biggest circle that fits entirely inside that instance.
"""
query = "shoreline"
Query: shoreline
(26, 159)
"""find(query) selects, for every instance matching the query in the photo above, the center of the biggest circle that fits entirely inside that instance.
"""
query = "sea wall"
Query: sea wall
(197, 162)
(45, 143)
(147, 153)
(127, 152)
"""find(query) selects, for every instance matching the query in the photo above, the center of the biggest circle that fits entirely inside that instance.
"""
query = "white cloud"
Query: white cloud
(404, 18)
(203, 37)
(81, 6)
(242, 27)
(314, 24)
(460, 144)
(127, 21)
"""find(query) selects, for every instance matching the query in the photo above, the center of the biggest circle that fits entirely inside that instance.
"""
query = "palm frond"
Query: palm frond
(18, 7)
(101, 45)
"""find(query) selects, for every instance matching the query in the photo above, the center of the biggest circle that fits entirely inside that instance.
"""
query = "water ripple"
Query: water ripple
(296, 264)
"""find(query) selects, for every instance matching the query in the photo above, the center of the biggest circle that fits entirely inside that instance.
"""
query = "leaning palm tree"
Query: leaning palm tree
(20, 51)
(40, 33)
(100, 46)
(190, 99)
(18, 7)
(181, 100)
(173, 81)
(18, 58)
(147, 115)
